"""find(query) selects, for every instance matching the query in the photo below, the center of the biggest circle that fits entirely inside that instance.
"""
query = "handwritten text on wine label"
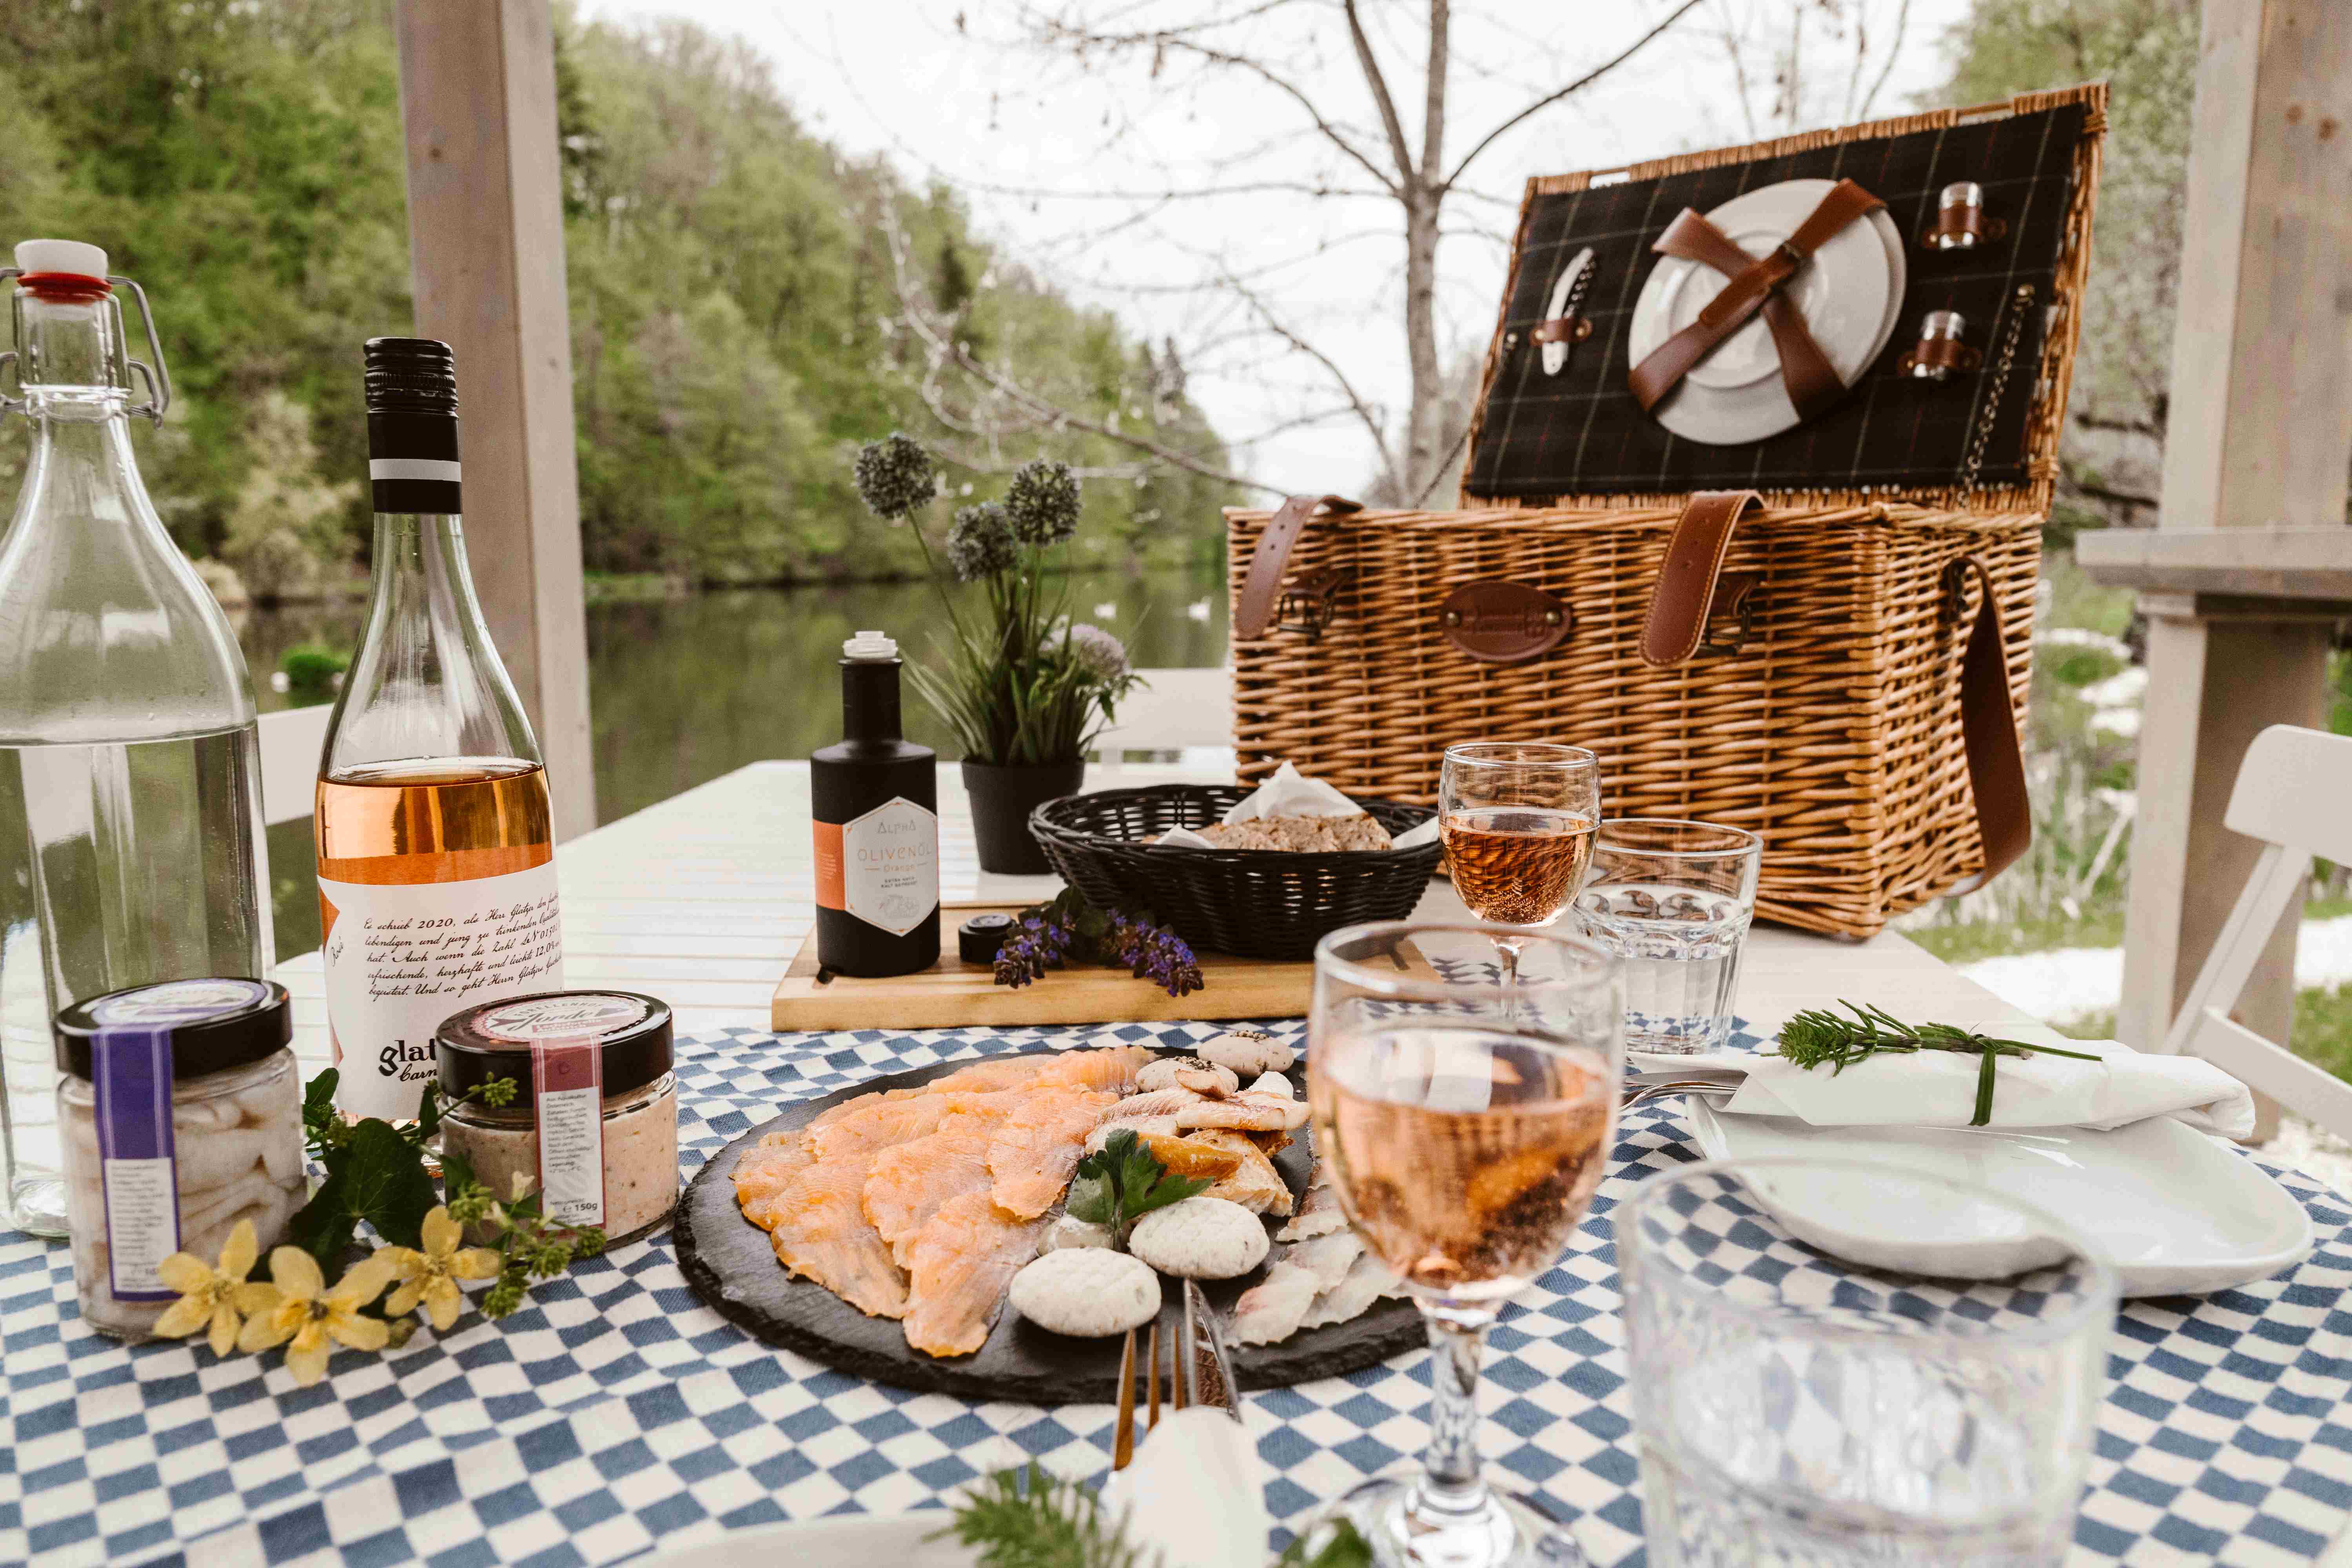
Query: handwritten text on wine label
(402, 957)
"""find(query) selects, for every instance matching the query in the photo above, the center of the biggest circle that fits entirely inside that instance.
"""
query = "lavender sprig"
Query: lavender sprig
(1155, 953)
(1040, 942)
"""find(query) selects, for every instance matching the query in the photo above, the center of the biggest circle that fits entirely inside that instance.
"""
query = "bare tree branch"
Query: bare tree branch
(1366, 411)
(1433, 113)
(945, 346)
(1379, 86)
(1578, 85)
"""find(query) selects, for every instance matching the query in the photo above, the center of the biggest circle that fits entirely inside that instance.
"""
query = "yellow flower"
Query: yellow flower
(208, 1295)
(299, 1306)
(431, 1276)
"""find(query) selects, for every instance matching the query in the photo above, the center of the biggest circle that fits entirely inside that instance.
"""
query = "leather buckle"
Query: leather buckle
(1734, 594)
(1313, 598)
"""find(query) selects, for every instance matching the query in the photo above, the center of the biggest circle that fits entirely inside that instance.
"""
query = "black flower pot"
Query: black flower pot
(1001, 800)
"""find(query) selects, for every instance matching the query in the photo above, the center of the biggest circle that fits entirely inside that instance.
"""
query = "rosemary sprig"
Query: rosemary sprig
(1815, 1037)
(1029, 1518)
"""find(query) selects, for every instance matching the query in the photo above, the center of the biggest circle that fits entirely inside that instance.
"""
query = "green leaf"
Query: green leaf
(324, 1226)
(1091, 1198)
(388, 1187)
(1335, 1544)
(456, 1174)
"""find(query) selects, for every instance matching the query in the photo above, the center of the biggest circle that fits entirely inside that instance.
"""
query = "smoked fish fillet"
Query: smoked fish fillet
(819, 1226)
(1032, 1154)
(958, 1268)
(910, 1180)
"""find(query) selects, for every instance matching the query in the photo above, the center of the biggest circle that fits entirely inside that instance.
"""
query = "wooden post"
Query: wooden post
(486, 248)
(2259, 435)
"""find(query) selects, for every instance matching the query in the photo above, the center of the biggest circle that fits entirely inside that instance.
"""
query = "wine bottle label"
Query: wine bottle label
(567, 1090)
(402, 956)
(882, 866)
(130, 1075)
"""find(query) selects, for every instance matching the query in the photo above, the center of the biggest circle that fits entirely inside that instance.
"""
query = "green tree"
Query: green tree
(2146, 52)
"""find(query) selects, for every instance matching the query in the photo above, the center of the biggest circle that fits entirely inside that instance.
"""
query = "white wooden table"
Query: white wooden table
(703, 900)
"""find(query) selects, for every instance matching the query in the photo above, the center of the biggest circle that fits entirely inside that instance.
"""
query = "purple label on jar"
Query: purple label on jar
(130, 1075)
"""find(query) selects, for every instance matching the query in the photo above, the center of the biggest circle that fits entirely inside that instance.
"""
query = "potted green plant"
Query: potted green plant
(1022, 689)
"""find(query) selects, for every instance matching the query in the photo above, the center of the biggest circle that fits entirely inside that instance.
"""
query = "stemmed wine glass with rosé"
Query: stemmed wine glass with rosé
(1466, 1125)
(1518, 820)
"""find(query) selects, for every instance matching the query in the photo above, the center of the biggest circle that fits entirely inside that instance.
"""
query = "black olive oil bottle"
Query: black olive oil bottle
(875, 799)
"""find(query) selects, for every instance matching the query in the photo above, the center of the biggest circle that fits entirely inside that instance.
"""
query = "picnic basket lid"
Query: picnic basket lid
(1581, 439)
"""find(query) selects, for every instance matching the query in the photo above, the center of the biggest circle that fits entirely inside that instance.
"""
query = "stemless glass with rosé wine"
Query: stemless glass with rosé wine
(1464, 1125)
(1517, 819)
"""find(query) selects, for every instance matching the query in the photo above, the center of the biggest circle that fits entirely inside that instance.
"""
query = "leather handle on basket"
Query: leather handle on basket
(1989, 731)
(1684, 597)
(1263, 588)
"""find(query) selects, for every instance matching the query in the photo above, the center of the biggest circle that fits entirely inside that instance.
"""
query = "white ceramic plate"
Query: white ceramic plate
(2179, 1213)
(1851, 294)
(840, 1541)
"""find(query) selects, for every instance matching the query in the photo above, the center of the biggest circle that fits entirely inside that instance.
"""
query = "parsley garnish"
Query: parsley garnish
(1124, 1181)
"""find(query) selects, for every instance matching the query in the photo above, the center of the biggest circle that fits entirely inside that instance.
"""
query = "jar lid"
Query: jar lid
(215, 1025)
(493, 1039)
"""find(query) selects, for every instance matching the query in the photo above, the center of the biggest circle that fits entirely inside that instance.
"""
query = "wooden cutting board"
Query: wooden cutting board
(953, 993)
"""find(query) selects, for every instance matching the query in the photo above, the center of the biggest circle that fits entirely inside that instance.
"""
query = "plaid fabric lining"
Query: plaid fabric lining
(1581, 431)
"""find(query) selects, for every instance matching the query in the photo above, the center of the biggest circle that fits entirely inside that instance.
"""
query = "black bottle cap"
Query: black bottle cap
(216, 1025)
(411, 375)
(981, 937)
(493, 1039)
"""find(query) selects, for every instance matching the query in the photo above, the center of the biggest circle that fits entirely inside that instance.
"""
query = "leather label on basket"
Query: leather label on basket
(1500, 622)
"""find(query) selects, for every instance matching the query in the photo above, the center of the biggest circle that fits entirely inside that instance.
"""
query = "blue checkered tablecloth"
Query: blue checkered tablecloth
(616, 1412)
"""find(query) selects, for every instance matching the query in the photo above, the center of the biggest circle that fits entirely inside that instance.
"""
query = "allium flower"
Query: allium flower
(980, 542)
(299, 1306)
(1042, 502)
(208, 1294)
(429, 1274)
(895, 476)
(1102, 655)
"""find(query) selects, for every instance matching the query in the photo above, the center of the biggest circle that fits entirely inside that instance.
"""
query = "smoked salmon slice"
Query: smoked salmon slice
(1032, 1154)
(910, 1180)
(958, 1268)
(818, 1221)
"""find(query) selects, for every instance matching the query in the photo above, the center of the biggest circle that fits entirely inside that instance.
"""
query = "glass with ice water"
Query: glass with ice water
(1793, 1408)
(1673, 899)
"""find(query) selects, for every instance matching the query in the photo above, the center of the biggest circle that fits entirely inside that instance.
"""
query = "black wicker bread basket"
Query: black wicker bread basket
(1252, 903)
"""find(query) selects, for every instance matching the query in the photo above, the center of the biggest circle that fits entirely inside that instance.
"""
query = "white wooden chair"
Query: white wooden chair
(2294, 794)
(291, 740)
(1189, 712)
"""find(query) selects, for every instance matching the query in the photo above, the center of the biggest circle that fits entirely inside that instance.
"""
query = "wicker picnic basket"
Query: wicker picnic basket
(1825, 636)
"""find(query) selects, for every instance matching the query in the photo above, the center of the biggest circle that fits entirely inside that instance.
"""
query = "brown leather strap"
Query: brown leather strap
(1558, 330)
(1263, 588)
(1988, 732)
(1685, 595)
(1756, 284)
(1692, 577)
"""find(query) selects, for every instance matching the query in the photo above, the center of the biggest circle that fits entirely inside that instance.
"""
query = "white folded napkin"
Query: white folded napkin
(1290, 793)
(1194, 1497)
(1938, 1089)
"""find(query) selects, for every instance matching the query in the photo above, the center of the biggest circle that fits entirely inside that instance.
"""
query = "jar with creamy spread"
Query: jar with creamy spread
(181, 1112)
(594, 1122)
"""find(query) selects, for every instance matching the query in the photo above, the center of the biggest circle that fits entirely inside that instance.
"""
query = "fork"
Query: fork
(1643, 1092)
(1202, 1373)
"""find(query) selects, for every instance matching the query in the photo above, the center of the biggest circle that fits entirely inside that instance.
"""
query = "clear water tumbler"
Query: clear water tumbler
(1673, 899)
(1796, 1408)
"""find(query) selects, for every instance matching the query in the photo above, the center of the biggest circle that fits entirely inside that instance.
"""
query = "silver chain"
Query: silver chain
(2020, 304)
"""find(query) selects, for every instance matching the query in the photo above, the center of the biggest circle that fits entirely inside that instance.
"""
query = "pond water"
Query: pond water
(683, 690)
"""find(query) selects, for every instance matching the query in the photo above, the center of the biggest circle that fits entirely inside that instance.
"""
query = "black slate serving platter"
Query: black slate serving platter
(730, 1265)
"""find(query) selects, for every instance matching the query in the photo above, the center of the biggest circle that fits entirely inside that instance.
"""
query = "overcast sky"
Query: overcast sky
(1050, 150)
